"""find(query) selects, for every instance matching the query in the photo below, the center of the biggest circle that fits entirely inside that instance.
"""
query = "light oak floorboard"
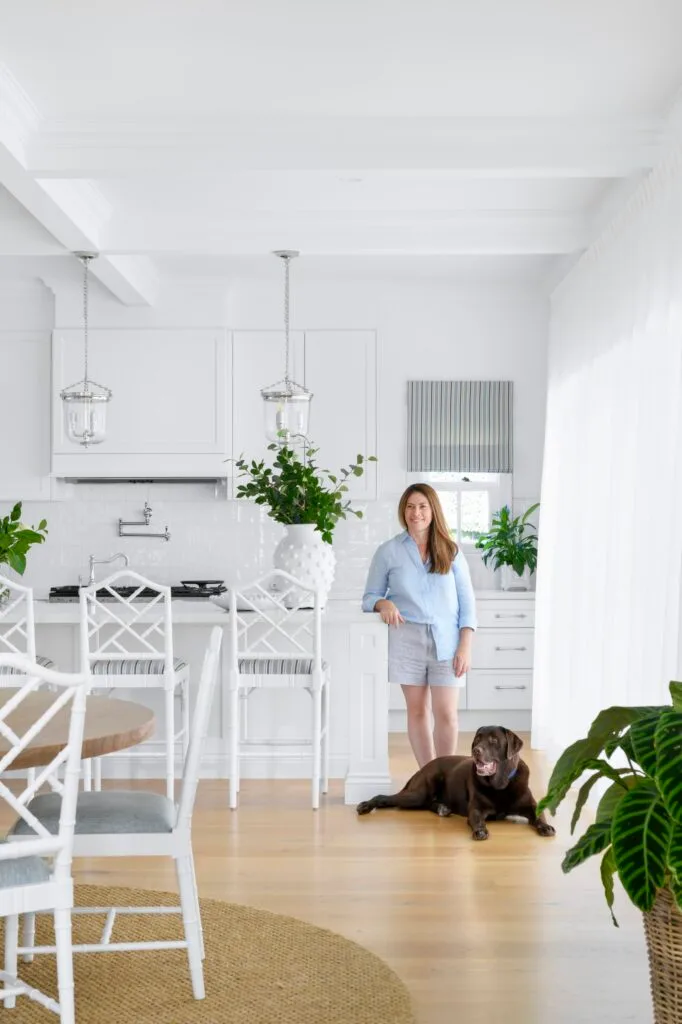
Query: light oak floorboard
(478, 931)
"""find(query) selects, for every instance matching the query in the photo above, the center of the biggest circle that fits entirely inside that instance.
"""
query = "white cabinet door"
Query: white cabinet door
(257, 362)
(340, 370)
(25, 416)
(168, 413)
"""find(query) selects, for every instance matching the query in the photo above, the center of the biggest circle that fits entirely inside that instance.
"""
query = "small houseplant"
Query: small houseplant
(512, 544)
(16, 539)
(638, 826)
(309, 501)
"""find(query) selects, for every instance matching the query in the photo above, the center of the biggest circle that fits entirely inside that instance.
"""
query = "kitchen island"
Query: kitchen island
(354, 645)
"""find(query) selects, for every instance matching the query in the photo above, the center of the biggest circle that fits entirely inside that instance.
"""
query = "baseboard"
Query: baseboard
(216, 766)
(469, 721)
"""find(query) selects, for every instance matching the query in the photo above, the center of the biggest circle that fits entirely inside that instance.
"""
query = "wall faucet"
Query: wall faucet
(103, 561)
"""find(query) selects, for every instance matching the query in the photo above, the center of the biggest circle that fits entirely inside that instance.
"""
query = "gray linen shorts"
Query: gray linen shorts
(412, 658)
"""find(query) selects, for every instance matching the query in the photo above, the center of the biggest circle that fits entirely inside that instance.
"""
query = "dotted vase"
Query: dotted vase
(304, 554)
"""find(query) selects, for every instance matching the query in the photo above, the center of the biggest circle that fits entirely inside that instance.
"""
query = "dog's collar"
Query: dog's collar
(512, 774)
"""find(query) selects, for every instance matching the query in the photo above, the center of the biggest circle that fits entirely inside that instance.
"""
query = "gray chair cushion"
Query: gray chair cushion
(22, 871)
(134, 667)
(277, 666)
(7, 670)
(110, 812)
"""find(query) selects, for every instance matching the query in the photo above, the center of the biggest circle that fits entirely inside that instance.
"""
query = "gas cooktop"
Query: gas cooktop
(187, 591)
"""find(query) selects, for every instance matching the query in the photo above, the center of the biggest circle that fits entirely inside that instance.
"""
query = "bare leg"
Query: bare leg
(444, 700)
(419, 723)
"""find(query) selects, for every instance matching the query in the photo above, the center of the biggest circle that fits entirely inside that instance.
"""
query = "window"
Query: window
(469, 500)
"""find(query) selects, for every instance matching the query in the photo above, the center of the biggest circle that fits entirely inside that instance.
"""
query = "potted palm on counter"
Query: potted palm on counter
(512, 545)
(637, 830)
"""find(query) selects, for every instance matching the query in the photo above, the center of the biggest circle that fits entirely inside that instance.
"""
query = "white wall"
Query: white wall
(425, 329)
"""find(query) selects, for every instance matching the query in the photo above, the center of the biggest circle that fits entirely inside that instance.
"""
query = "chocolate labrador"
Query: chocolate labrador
(492, 783)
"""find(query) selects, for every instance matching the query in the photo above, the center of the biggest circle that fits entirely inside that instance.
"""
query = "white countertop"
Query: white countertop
(195, 611)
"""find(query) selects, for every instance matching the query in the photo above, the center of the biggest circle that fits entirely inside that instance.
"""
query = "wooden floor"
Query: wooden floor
(479, 932)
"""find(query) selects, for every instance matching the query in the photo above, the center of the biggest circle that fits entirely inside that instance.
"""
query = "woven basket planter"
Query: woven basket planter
(663, 930)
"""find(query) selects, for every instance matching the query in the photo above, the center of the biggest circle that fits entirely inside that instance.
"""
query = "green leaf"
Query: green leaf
(604, 770)
(675, 852)
(15, 514)
(572, 763)
(676, 694)
(596, 838)
(641, 831)
(607, 870)
(642, 735)
(17, 562)
(613, 795)
(668, 741)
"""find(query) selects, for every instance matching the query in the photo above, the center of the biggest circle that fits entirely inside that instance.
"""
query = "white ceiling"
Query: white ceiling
(446, 137)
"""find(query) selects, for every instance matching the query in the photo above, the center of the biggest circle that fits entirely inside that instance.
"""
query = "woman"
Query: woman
(420, 585)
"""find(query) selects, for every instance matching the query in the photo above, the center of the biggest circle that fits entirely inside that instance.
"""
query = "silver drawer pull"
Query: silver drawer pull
(521, 686)
(511, 648)
(510, 615)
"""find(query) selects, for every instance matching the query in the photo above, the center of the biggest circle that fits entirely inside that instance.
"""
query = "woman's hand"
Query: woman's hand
(462, 659)
(388, 612)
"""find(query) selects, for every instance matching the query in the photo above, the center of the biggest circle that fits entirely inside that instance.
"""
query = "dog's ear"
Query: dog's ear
(514, 743)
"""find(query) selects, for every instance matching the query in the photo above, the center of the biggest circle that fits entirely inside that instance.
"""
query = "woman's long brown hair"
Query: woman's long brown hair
(442, 548)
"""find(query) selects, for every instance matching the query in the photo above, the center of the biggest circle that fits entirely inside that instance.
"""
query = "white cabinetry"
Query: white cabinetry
(339, 367)
(258, 361)
(499, 685)
(502, 674)
(168, 414)
(340, 370)
(25, 416)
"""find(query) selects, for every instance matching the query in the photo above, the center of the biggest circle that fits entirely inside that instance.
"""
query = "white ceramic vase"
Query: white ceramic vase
(304, 554)
(510, 580)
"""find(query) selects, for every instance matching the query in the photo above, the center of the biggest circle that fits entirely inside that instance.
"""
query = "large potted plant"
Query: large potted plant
(15, 541)
(309, 501)
(638, 826)
(512, 544)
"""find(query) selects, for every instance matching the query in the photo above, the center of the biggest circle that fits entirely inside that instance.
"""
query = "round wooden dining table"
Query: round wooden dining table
(110, 724)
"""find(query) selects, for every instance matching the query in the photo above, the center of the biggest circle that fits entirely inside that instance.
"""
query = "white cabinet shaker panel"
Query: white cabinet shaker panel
(25, 419)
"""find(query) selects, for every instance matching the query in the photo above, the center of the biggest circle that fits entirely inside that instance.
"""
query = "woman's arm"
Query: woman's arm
(376, 587)
(467, 614)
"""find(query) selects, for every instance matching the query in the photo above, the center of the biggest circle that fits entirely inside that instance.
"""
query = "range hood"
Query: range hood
(100, 467)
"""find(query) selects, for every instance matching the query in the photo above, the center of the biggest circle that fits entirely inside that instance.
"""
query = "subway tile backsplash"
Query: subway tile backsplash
(230, 540)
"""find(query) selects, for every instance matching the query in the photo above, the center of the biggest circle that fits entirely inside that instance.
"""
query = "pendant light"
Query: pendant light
(85, 402)
(286, 403)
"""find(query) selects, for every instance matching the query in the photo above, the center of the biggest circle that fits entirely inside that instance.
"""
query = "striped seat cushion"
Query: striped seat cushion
(134, 666)
(23, 870)
(7, 670)
(277, 666)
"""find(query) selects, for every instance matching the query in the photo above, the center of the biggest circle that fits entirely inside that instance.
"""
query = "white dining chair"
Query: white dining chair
(35, 873)
(276, 642)
(127, 642)
(135, 823)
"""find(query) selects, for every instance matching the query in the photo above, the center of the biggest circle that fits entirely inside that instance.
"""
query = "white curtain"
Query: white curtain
(610, 556)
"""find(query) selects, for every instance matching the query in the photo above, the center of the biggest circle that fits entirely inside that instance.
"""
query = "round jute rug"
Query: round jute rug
(260, 968)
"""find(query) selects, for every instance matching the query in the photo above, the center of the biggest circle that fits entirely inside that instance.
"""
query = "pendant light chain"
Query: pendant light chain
(287, 260)
(86, 267)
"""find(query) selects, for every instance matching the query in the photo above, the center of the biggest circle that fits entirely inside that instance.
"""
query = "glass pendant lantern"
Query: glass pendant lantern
(85, 402)
(286, 404)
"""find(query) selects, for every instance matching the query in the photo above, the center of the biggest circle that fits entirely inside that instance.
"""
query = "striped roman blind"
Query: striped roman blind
(460, 426)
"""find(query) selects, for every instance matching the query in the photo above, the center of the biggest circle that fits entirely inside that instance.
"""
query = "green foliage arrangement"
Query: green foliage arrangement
(16, 539)
(295, 490)
(638, 826)
(511, 541)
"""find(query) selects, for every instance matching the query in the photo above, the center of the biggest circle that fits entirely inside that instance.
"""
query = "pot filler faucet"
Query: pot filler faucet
(104, 561)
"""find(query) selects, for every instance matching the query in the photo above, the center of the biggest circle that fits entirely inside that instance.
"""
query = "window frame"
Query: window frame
(500, 490)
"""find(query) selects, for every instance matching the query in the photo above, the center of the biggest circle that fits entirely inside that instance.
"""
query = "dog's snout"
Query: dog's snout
(476, 750)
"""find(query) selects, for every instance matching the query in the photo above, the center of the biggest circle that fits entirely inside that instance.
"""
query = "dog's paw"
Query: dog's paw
(480, 833)
(365, 807)
(443, 811)
(545, 829)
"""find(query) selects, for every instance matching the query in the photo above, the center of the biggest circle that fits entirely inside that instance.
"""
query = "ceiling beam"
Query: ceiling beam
(324, 233)
(74, 213)
(472, 147)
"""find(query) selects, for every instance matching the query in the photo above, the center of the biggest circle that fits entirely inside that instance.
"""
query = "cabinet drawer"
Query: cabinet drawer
(504, 690)
(506, 613)
(503, 648)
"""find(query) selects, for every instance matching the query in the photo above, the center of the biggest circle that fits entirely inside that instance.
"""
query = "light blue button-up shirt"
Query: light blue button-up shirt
(446, 602)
